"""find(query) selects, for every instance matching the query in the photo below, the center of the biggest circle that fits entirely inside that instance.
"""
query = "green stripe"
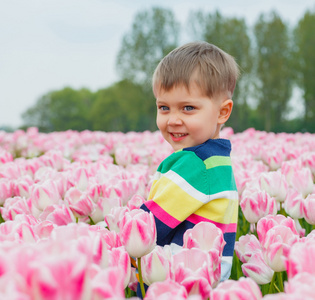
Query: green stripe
(221, 179)
(215, 161)
(190, 167)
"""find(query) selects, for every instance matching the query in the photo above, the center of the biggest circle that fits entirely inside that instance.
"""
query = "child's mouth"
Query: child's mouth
(178, 136)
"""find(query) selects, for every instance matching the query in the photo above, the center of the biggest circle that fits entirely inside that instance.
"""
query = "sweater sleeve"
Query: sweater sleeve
(180, 188)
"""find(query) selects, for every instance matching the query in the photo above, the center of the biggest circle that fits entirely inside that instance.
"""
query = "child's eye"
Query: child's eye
(189, 108)
(163, 108)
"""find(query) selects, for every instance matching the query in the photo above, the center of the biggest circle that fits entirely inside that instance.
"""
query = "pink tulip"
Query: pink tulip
(293, 205)
(289, 168)
(53, 159)
(138, 232)
(135, 202)
(5, 156)
(193, 268)
(58, 214)
(114, 218)
(309, 209)
(118, 257)
(257, 269)
(94, 248)
(79, 202)
(103, 207)
(44, 229)
(243, 289)
(205, 236)
(308, 160)
(301, 259)
(276, 246)
(126, 188)
(44, 194)
(301, 285)
(268, 222)
(166, 290)
(10, 170)
(273, 157)
(208, 237)
(258, 205)
(17, 231)
(156, 265)
(302, 181)
(81, 179)
(123, 156)
(274, 183)
(246, 246)
(14, 206)
(5, 189)
(62, 276)
(21, 187)
(108, 284)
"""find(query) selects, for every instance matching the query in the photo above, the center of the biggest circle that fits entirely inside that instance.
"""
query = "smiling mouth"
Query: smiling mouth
(178, 135)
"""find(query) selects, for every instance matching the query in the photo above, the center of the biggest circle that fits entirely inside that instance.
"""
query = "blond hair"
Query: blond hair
(214, 71)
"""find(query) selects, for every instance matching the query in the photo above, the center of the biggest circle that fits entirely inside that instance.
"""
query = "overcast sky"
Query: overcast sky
(46, 45)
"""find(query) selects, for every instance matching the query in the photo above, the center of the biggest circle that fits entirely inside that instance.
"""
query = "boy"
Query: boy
(193, 86)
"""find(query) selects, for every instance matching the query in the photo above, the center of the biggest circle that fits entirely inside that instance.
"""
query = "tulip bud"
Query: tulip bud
(244, 288)
(257, 269)
(257, 205)
(156, 265)
(166, 290)
(246, 246)
(309, 209)
(138, 232)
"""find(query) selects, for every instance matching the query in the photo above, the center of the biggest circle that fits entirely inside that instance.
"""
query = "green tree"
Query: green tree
(154, 33)
(304, 37)
(121, 107)
(274, 70)
(231, 35)
(60, 110)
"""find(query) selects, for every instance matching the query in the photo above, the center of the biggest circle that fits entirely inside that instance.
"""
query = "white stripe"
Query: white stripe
(227, 259)
(193, 192)
(232, 195)
(185, 186)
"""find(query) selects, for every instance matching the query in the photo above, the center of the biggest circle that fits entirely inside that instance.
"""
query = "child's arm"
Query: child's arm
(180, 188)
(180, 198)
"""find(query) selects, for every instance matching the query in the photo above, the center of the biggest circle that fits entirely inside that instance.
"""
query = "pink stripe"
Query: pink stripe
(161, 214)
(195, 219)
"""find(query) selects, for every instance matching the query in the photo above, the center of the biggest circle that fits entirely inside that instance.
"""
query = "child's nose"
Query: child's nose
(174, 120)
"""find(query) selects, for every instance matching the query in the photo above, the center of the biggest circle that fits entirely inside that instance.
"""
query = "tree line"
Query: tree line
(275, 58)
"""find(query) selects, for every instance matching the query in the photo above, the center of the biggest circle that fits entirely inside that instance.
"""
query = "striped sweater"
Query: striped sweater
(192, 185)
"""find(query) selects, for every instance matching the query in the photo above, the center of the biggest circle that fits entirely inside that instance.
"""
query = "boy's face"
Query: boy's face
(187, 119)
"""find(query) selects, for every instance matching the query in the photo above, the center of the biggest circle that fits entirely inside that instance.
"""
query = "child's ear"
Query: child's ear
(225, 111)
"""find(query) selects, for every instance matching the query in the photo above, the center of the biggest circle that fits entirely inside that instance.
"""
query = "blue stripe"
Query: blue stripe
(229, 237)
(218, 147)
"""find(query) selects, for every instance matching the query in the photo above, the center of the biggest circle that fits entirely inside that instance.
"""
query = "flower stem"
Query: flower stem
(91, 221)
(140, 277)
(272, 283)
(280, 281)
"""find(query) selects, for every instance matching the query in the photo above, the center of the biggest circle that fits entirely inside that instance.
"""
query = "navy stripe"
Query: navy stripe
(229, 237)
(217, 147)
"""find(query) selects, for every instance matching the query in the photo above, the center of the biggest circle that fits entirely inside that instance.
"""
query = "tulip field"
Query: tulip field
(72, 228)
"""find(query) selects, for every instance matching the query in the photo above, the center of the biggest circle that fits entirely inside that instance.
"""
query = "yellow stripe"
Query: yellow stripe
(171, 198)
(222, 210)
(215, 161)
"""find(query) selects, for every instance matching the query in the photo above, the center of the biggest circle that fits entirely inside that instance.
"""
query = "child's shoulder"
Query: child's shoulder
(212, 147)
(181, 160)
